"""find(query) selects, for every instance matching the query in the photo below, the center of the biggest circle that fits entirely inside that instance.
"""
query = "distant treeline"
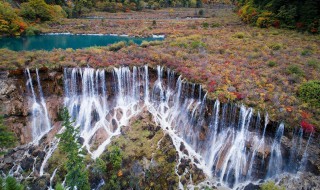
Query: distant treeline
(21, 17)
(302, 15)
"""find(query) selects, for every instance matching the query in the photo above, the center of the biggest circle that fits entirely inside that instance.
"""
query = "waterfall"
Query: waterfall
(40, 119)
(226, 141)
(275, 162)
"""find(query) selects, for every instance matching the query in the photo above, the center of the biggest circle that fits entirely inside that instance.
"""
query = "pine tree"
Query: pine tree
(59, 187)
(1, 184)
(77, 175)
(12, 184)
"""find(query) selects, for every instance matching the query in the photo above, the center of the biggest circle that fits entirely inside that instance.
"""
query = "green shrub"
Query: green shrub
(310, 92)
(213, 25)
(205, 25)
(271, 186)
(201, 12)
(239, 35)
(272, 64)
(306, 52)
(295, 69)
(31, 31)
(197, 44)
(314, 64)
(275, 46)
(116, 46)
(151, 43)
(7, 138)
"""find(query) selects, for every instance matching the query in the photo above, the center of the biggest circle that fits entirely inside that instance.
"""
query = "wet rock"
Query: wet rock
(301, 181)
(125, 130)
(197, 174)
(40, 183)
(114, 125)
(101, 136)
(182, 147)
(3, 88)
(128, 113)
(80, 140)
(52, 75)
(183, 180)
(137, 169)
(8, 160)
(251, 186)
(39, 153)
(183, 165)
(27, 163)
(109, 116)
(119, 114)
(202, 136)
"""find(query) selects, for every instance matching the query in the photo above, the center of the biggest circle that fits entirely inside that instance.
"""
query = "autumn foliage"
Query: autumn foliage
(302, 15)
(10, 22)
(307, 127)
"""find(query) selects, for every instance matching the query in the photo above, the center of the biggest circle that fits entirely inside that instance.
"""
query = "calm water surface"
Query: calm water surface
(63, 41)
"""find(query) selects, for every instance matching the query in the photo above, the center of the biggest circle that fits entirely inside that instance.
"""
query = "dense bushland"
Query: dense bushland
(302, 15)
(14, 21)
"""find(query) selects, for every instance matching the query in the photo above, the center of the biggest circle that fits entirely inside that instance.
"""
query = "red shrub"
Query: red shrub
(299, 25)
(276, 24)
(239, 95)
(307, 127)
(211, 86)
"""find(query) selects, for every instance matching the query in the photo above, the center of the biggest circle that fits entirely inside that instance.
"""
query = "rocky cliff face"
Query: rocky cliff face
(15, 99)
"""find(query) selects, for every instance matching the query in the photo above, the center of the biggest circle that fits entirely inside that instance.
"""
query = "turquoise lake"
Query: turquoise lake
(64, 41)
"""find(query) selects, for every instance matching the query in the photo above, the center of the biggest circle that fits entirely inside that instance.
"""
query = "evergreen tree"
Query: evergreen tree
(1, 184)
(59, 187)
(12, 184)
(77, 175)
(199, 4)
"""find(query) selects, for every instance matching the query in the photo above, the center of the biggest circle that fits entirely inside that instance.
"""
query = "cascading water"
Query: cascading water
(40, 119)
(226, 141)
(98, 117)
